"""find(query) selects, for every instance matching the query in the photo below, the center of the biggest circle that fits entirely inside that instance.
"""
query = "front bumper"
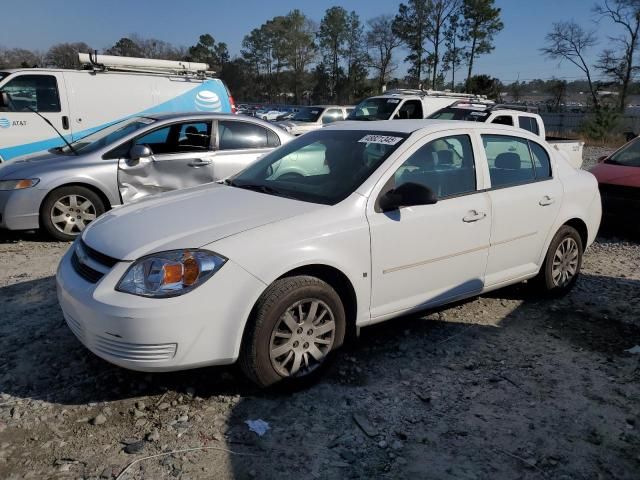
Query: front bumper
(20, 209)
(202, 327)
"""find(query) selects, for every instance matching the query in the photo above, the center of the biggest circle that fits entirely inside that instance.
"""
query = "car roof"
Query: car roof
(426, 125)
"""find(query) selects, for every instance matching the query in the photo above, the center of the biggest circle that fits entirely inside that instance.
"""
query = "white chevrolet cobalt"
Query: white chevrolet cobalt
(341, 228)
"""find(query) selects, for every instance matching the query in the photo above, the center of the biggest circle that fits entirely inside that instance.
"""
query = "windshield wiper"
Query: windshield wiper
(258, 187)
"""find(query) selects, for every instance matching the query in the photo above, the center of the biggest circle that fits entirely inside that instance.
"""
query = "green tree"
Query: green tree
(481, 23)
(332, 37)
(412, 27)
(209, 52)
(441, 12)
(301, 50)
(485, 85)
(381, 42)
(356, 57)
(454, 50)
(125, 47)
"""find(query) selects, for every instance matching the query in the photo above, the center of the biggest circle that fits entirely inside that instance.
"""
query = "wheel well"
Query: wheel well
(96, 190)
(340, 283)
(581, 227)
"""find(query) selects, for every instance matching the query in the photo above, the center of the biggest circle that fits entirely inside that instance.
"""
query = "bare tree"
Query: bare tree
(625, 13)
(381, 42)
(569, 41)
(65, 55)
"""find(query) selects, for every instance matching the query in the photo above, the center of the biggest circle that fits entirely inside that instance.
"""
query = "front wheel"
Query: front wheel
(297, 325)
(67, 211)
(562, 263)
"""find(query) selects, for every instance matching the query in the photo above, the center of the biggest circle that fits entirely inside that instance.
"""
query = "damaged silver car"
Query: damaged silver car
(65, 189)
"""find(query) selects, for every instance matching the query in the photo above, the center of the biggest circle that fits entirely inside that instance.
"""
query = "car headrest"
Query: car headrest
(508, 160)
(445, 157)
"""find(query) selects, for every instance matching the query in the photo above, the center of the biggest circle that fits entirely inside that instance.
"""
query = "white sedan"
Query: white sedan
(278, 265)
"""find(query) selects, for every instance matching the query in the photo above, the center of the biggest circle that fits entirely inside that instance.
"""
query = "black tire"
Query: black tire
(95, 209)
(280, 296)
(545, 280)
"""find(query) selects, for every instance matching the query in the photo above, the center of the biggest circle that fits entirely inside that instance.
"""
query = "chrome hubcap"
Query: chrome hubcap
(72, 213)
(302, 338)
(565, 262)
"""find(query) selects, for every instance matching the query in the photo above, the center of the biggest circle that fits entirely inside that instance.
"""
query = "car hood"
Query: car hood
(29, 166)
(190, 218)
(617, 174)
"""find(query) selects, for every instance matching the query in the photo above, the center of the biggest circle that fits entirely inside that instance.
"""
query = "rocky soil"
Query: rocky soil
(507, 385)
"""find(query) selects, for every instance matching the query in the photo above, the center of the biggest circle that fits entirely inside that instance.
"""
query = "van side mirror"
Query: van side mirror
(139, 151)
(4, 100)
(407, 195)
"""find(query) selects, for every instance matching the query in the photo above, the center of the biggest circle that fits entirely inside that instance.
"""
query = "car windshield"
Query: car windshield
(324, 166)
(308, 114)
(374, 109)
(3, 75)
(106, 136)
(467, 114)
(628, 156)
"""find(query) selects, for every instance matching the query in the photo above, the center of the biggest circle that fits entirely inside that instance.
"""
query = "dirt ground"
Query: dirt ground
(506, 385)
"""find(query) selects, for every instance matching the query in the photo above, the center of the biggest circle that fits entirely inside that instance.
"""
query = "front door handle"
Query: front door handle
(199, 163)
(546, 200)
(473, 216)
(65, 122)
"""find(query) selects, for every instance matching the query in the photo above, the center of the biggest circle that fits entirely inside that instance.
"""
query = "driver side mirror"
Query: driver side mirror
(407, 195)
(602, 158)
(4, 100)
(139, 151)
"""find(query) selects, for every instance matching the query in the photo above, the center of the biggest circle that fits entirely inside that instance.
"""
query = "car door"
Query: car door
(525, 200)
(239, 144)
(21, 130)
(428, 254)
(182, 157)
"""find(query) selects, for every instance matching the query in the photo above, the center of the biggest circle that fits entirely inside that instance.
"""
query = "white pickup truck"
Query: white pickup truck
(504, 115)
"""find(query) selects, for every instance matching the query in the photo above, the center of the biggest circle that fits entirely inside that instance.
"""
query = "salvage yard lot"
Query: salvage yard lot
(507, 385)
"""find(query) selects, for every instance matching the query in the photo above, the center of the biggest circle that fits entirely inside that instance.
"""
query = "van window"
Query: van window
(332, 115)
(411, 109)
(529, 123)
(541, 161)
(445, 165)
(37, 92)
(503, 120)
(235, 135)
(178, 138)
(509, 159)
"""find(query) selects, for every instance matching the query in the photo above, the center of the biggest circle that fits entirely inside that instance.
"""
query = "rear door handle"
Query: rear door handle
(200, 163)
(474, 216)
(546, 200)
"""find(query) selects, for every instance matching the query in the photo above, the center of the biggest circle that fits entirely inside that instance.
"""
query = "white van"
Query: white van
(408, 104)
(79, 102)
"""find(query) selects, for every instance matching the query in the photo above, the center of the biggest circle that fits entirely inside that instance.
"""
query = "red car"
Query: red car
(619, 181)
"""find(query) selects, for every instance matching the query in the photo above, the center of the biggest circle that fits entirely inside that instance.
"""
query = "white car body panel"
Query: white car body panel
(396, 262)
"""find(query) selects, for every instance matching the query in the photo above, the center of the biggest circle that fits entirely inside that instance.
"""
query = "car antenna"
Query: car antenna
(54, 128)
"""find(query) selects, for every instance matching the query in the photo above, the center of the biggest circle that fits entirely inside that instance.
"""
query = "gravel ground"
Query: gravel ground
(506, 385)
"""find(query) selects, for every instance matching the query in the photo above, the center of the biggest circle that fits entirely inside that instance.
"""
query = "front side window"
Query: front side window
(32, 92)
(628, 156)
(234, 135)
(321, 166)
(509, 159)
(445, 165)
(529, 123)
(411, 109)
(178, 138)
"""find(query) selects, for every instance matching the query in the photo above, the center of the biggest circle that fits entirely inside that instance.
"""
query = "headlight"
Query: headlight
(18, 184)
(169, 274)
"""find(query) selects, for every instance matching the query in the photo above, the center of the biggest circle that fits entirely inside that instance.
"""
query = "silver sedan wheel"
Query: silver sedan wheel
(72, 213)
(565, 262)
(302, 338)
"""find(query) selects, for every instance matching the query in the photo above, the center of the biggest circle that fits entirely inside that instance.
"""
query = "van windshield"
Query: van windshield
(374, 109)
(106, 136)
(324, 166)
(468, 114)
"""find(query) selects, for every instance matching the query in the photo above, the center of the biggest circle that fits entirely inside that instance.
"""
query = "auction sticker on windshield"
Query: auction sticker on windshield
(382, 139)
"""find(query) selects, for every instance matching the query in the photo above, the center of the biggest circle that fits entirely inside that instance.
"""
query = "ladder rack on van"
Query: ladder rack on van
(144, 65)
(433, 93)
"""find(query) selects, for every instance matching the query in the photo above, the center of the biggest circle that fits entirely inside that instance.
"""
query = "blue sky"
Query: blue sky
(38, 24)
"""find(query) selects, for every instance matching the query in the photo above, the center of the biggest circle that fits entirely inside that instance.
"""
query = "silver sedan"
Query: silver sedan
(65, 189)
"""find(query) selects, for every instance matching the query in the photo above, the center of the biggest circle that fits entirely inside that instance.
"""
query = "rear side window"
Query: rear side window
(235, 135)
(36, 92)
(445, 165)
(529, 123)
(503, 120)
(509, 159)
(541, 161)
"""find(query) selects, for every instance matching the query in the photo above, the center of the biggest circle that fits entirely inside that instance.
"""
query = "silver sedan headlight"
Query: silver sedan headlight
(169, 274)
(18, 184)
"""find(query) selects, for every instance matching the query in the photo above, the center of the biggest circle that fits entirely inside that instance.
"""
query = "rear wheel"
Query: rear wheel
(67, 211)
(562, 264)
(296, 327)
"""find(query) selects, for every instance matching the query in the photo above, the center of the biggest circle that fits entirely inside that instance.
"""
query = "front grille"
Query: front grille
(85, 271)
(105, 260)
